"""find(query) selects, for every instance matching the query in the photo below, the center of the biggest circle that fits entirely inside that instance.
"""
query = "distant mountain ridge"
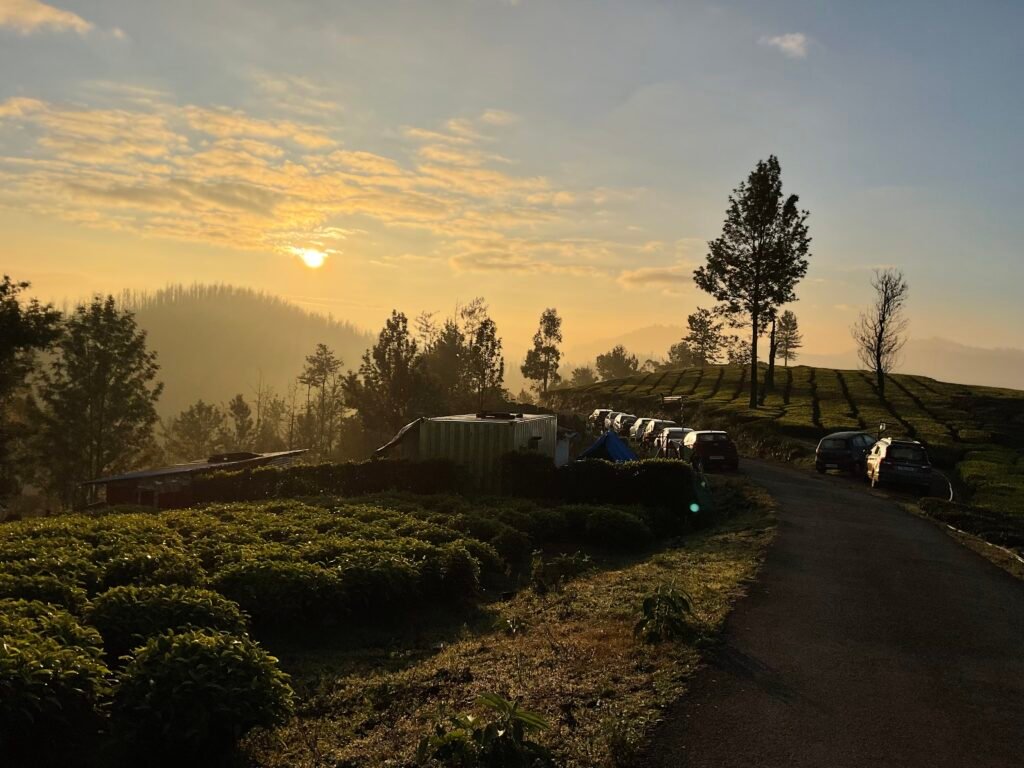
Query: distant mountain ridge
(215, 341)
(936, 358)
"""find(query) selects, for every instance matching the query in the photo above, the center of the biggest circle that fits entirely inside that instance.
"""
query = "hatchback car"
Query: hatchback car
(845, 451)
(636, 431)
(653, 429)
(596, 419)
(669, 441)
(622, 423)
(711, 449)
(609, 418)
(900, 462)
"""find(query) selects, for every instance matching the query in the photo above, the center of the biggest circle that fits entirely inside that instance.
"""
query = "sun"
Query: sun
(311, 257)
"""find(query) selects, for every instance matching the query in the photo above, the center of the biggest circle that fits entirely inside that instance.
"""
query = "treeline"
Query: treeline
(79, 392)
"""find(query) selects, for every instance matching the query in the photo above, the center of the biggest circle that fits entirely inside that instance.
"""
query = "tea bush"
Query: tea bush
(127, 616)
(46, 589)
(616, 529)
(191, 696)
(282, 594)
(50, 692)
(48, 620)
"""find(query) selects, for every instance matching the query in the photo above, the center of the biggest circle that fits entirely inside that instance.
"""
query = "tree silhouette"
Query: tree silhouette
(789, 339)
(617, 363)
(704, 340)
(754, 266)
(542, 360)
(25, 328)
(582, 376)
(195, 433)
(96, 402)
(880, 330)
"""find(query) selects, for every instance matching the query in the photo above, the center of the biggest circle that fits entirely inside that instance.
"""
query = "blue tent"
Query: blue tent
(610, 447)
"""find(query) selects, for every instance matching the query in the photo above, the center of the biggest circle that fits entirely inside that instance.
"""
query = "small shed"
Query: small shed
(476, 441)
(171, 487)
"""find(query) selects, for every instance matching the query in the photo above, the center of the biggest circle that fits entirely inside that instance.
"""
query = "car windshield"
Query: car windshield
(713, 437)
(908, 453)
(833, 444)
(678, 432)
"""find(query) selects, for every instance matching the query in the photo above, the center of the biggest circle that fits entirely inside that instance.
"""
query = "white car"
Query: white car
(653, 429)
(671, 438)
(637, 430)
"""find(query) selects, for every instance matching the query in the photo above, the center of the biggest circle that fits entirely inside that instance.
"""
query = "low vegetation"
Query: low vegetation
(120, 626)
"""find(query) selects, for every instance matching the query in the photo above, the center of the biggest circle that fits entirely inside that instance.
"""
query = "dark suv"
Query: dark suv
(846, 451)
(900, 462)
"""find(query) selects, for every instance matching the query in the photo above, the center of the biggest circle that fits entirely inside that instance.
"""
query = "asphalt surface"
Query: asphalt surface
(871, 638)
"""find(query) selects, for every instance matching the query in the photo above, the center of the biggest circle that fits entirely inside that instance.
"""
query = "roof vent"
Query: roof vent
(224, 458)
(503, 415)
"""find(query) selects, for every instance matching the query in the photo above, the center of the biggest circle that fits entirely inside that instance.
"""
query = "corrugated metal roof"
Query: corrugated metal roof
(495, 418)
(201, 465)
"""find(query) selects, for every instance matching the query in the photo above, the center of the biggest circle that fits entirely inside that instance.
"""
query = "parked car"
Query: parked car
(711, 449)
(846, 451)
(900, 462)
(653, 429)
(670, 439)
(610, 418)
(622, 423)
(637, 430)
(596, 420)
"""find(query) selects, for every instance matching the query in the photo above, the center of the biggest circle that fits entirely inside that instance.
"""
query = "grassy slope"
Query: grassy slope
(569, 655)
(977, 432)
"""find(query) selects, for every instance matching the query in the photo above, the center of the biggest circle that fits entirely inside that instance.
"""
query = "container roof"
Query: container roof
(494, 417)
(220, 462)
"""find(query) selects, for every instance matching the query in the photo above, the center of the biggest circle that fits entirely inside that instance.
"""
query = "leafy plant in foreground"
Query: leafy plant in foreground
(665, 615)
(501, 742)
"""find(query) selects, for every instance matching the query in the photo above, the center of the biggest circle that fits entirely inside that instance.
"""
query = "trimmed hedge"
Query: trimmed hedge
(52, 683)
(347, 479)
(128, 616)
(190, 697)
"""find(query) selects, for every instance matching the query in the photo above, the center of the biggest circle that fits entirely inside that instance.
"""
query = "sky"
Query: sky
(569, 154)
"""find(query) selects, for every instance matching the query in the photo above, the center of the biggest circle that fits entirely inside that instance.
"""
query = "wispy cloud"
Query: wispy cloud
(142, 163)
(28, 16)
(792, 44)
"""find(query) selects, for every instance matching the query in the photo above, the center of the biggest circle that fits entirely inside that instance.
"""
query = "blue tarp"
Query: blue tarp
(609, 446)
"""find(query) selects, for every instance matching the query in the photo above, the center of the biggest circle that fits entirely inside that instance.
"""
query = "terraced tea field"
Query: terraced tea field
(975, 432)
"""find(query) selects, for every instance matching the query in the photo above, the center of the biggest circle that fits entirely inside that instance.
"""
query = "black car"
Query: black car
(845, 451)
(899, 462)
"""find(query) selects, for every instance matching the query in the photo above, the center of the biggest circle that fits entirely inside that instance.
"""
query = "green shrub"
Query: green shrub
(514, 547)
(617, 529)
(548, 575)
(503, 741)
(127, 616)
(46, 589)
(455, 575)
(195, 694)
(48, 620)
(152, 565)
(282, 594)
(50, 696)
(665, 615)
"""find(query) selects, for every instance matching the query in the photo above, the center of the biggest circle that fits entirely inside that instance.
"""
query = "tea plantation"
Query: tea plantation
(975, 433)
(128, 632)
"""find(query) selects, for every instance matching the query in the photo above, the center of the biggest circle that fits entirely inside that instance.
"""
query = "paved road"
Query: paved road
(870, 639)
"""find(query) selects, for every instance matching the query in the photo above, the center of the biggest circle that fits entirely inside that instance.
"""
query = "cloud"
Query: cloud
(667, 278)
(141, 163)
(791, 44)
(28, 16)
(498, 117)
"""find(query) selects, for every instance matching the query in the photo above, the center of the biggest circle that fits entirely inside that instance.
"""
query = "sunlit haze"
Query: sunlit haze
(568, 154)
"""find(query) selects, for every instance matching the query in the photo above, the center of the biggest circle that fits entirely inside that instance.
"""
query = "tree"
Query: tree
(96, 402)
(617, 363)
(738, 351)
(485, 364)
(679, 356)
(25, 328)
(390, 379)
(542, 361)
(445, 361)
(704, 340)
(760, 256)
(196, 432)
(582, 376)
(243, 428)
(324, 403)
(880, 330)
(789, 338)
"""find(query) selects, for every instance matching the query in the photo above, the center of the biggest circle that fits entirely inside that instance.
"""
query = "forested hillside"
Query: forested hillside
(214, 341)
